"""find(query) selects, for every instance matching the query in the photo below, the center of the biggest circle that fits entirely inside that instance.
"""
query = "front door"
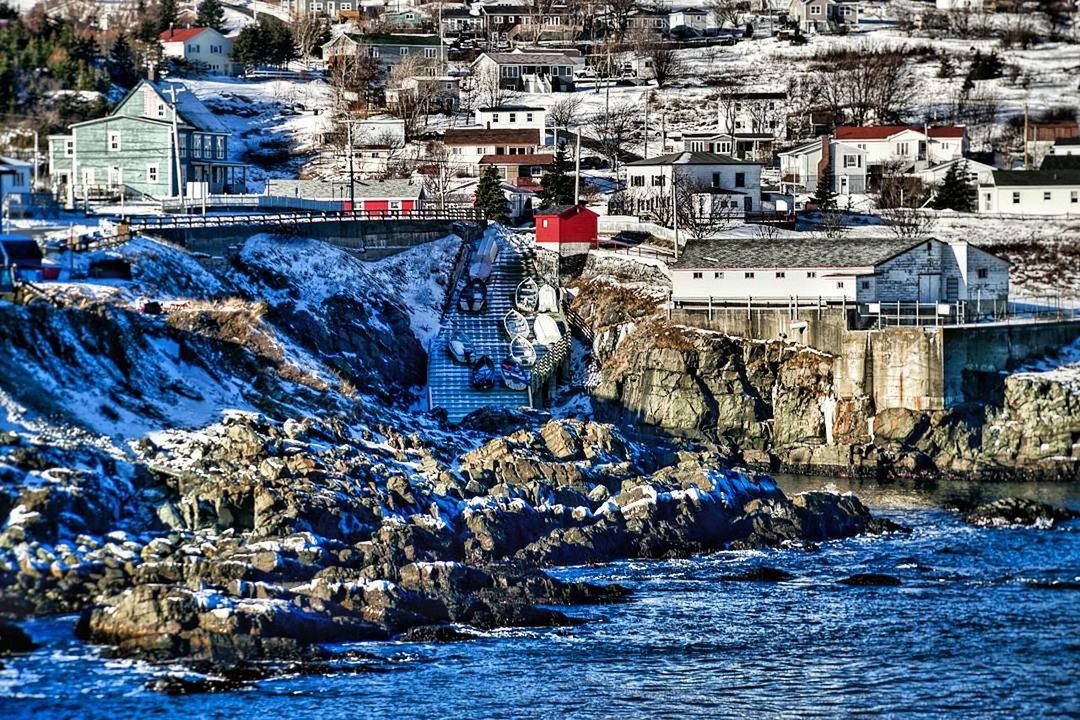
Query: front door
(843, 184)
(929, 288)
(116, 177)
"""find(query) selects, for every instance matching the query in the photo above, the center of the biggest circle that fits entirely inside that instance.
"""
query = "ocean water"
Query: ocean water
(963, 636)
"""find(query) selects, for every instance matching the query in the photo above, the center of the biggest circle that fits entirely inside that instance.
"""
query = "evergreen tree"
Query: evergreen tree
(956, 192)
(123, 64)
(825, 195)
(249, 47)
(211, 14)
(490, 200)
(557, 186)
(167, 13)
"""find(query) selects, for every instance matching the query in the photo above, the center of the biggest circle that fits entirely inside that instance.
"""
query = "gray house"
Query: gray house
(133, 153)
(389, 49)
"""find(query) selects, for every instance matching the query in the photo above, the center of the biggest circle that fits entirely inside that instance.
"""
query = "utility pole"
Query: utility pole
(176, 149)
(1025, 136)
(675, 208)
(646, 149)
(577, 169)
(352, 182)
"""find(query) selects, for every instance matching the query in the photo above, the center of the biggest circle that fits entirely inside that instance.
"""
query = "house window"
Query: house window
(718, 276)
(69, 150)
(815, 9)
(781, 275)
(495, 117)
(528, 117)
(840, 285)
(658, 181)
(373, 52)
(513, 117)
(403, 51)
(152, 173)
(1046, 195)
(982, 273)
(637, 181)
(161, 110)
(545, 222)
(851, 161)
(1016, 198)
(902, 149)
(429, 53)
(865, 284)
(740, 179)
(697, 276)
(811, 274)
(748, 276)
(952, 288)
(1074, 197)
(114, 142)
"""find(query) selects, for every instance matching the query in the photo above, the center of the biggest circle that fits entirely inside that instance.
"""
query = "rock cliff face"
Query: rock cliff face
(775, 404)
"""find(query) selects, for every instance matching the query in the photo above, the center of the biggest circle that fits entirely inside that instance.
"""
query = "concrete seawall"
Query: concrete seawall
(915, 368)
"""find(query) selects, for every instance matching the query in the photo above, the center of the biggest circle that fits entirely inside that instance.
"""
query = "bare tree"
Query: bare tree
(901, 205)
(726, 11)
(414, 92)
(486, 89)
(703, 212)
(308, 30)
(864, 84)
(666, 62)
(440, 174)
(566, 112)
(353, 77)
(619, 15)
(613, 127)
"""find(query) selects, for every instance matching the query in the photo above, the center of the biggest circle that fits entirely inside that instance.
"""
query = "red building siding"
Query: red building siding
(573, 225)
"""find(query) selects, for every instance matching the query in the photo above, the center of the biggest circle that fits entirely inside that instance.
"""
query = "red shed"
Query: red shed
(568, 229)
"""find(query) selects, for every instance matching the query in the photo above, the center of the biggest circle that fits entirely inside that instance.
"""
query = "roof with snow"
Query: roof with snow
(691, 158)
(810, 252)
(191, 108)
(393, 188)
(531, 58)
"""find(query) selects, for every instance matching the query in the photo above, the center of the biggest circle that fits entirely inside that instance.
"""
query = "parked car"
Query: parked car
(592, 162)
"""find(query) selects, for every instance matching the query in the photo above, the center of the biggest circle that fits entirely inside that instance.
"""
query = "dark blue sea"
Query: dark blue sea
(963, 636)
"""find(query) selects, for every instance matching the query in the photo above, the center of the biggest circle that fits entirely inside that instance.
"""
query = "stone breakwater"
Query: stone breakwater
(773, 404)
(255, 540)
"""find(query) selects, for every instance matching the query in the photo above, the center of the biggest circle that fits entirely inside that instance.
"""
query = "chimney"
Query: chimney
(151, 72)
(824, 162)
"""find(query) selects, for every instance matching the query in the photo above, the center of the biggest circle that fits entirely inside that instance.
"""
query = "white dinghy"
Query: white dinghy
(546, 330)
(547, 299)
(527, 296)
(515, 324)
(523, 352)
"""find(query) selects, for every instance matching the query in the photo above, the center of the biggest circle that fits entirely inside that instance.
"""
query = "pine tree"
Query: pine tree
(167, 12)
(211, 14)
(490, 200)
(956, 192)
(825, 195)
(123, 65)
(557, 186)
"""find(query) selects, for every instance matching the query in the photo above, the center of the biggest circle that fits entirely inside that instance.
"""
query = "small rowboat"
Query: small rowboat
(527, 296)
(514, 376)
(523, 352)
(480, 269)
(547, 299)
(516, 325)
(546, 330)
(461, 348)
(473, 297)
(483, 374)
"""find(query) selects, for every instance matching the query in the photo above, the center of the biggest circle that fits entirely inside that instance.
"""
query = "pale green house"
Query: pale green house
(133, 151)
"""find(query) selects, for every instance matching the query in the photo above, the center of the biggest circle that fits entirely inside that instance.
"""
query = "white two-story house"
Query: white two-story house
(802, 167)
(734, 184)
(511, 117)
(469, 146)
(205, 48)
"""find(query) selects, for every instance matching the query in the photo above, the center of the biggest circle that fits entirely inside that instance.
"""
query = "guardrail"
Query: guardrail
(291, 218)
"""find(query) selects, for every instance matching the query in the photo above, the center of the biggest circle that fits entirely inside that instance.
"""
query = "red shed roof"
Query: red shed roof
(562, 211)
(180, 35)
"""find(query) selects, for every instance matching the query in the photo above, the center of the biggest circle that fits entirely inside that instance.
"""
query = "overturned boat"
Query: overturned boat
(514, 376)
(546, 330)
(515, 324)
(483, 374)
(527, 296)
(523, 351)
(461, 348)
(473, 297)
(547, 299)
(483, 258)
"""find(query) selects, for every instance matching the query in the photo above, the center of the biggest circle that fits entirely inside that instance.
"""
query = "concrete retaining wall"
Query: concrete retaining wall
(375, 238)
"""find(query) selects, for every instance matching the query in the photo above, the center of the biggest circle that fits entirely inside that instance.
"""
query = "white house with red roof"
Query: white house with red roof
(205, 48)
(906, 144)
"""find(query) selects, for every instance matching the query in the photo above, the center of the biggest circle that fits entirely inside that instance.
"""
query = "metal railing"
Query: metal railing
(291, 218)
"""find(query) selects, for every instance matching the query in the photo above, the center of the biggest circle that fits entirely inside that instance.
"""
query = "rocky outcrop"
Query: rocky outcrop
(1012, 511)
